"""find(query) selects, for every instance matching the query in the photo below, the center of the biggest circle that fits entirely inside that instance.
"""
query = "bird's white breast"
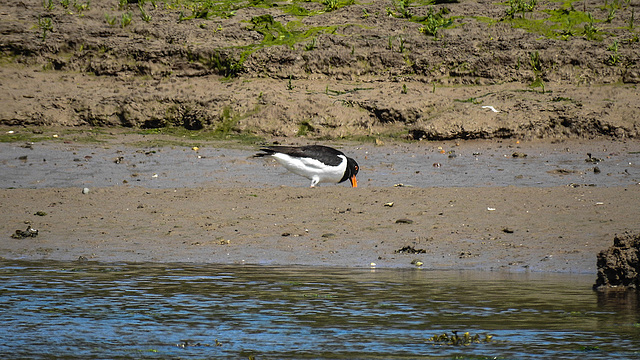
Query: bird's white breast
(312, 168)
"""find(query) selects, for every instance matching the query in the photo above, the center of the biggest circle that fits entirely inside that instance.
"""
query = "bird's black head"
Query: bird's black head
(351, 172)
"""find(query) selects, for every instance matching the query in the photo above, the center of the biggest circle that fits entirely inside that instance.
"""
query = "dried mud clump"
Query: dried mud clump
(619, 266)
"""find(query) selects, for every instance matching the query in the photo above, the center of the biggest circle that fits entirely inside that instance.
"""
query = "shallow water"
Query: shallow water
(432, 164)
(116, 311)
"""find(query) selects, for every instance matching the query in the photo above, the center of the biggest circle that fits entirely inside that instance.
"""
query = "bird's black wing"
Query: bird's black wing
(325, 154)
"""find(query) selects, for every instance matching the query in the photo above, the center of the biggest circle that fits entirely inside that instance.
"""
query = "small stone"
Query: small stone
(404, 221)
(85, 191)
(410, 250)
(30, 232)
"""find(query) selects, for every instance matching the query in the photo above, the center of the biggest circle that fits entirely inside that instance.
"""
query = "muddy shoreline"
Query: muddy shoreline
(274, 219)
(550, 230)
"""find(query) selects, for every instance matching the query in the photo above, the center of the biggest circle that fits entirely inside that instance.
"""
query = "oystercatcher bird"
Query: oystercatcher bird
(320, 164)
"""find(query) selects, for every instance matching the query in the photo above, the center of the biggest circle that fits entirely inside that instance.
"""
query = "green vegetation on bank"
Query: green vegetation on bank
(565, 21)
(165, 136)
(561, 19)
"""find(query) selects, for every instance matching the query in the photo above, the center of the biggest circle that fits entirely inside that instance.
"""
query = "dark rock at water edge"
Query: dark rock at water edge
(619, 265)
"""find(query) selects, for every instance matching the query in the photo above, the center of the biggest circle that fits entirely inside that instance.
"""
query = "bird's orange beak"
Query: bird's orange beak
(354, 182)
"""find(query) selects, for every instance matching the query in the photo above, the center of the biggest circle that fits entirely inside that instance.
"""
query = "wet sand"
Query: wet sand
(467, 205)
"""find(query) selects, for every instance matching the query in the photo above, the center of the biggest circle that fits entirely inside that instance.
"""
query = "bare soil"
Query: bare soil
(552, 229)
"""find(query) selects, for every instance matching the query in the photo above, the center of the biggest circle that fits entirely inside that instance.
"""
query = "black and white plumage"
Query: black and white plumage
(320, 164)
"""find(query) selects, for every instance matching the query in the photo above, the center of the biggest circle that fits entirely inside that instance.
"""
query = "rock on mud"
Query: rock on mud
(30, 232)
(619, 265)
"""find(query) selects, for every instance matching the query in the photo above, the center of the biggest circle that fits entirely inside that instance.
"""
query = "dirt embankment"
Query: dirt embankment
(370, 69)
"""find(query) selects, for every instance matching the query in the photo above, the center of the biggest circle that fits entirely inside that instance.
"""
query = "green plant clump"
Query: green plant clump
(402, 7)
(48, 5)
(614, 56)
(561, 23)
(143, 14)
(520, 6)
(305, 127)
(46, 25)
(433, 21)
(111, 20)
(332, 5)
(590, 30)
(225, 65)
(275, 33)
(127, 18)
(536, 66)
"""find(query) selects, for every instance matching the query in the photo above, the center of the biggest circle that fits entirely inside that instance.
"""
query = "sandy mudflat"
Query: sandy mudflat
(278, 220)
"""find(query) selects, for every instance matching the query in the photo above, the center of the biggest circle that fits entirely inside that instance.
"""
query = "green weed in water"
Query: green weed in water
(456, 340)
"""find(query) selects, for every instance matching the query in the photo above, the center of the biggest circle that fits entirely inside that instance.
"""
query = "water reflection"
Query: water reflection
(93, 311)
